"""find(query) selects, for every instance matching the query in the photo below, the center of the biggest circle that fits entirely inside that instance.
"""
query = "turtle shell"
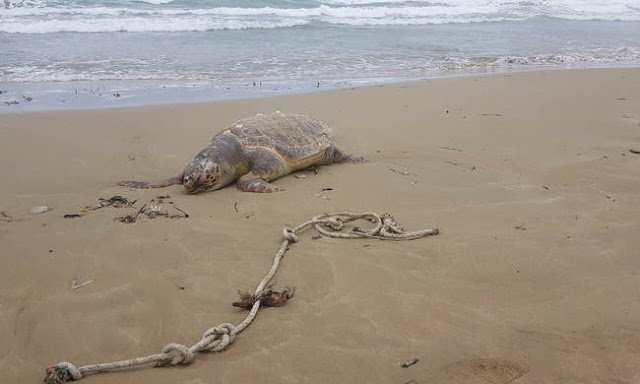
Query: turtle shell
(293, 136)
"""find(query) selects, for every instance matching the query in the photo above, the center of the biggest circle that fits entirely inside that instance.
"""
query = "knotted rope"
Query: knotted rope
(217, 338)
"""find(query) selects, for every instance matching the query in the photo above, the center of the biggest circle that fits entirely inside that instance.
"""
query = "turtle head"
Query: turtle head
(201, 175)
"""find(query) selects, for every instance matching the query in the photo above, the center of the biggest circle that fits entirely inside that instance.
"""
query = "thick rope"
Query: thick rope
(217, 338)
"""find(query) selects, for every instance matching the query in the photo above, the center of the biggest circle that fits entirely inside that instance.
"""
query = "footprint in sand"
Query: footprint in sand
(484, 371)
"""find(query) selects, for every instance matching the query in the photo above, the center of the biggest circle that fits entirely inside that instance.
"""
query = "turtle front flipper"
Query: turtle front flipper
(254, 183)
(340, 156)
(152, 184)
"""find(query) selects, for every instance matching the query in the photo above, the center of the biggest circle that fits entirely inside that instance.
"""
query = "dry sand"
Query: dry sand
(529, 177)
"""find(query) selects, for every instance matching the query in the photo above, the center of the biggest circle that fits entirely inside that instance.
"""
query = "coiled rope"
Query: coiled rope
(216, 339)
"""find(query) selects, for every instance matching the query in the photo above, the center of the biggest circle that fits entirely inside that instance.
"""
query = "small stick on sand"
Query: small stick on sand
(400, 172)
(185, 213)
(75, 286)
(634, 151)
(410, 362)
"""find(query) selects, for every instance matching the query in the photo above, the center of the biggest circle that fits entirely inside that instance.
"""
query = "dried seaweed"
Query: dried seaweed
(269, 298)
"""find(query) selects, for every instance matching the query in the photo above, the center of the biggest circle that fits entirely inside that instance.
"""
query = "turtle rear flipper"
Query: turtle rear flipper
(151, 184)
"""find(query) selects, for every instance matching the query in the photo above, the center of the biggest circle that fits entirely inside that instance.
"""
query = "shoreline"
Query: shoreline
(529, 176)
(98, 94)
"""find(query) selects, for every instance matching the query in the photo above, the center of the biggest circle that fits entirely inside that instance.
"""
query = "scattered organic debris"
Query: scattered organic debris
(154, 209)
(400, 172)
(410, 362)
(13, 102)
(545, 187)
(75, 285)
(268, 298)
(327, 189)
(71, 215)
(635, 151)
(521, 227)
(451, 149)
(491, 114)
(300, 176)
(6, 217)
(27, 98)
(316, 237)
(235, 207)
(114, 201)
(38, 209)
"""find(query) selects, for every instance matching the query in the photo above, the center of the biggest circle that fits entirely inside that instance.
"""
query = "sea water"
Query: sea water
(58, 54)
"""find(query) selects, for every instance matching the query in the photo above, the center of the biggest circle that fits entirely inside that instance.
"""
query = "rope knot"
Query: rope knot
(218, 338)
(289, 235)
(180, 354)
(61, 373)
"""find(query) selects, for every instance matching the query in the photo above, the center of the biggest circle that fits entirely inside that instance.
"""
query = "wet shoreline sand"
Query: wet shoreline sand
(529, 177)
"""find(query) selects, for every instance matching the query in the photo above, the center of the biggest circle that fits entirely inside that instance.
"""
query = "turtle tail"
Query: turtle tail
(152, 184)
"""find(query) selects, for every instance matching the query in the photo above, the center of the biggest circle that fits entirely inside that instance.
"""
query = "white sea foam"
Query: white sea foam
(39, 16)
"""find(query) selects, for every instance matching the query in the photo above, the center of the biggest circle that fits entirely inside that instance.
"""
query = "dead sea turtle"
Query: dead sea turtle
(256, 150)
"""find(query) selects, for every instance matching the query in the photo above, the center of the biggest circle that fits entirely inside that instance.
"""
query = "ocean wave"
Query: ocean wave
(47, 18)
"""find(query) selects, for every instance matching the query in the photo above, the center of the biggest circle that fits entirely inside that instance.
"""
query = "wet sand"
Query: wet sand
(533, 278)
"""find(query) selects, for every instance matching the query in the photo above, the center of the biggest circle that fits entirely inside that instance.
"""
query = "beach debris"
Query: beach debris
(218, 338)
(153, 209)
(545, 187)
(327, 189)
(38, 209)
(316, 237)
(300, 176)
(405, 173)
(75, 285)
(521, 227)
(13, 102)
(71, 215)
(114, 201)
(635, 151)
(491, 114)
(268, 298)
(235, 206)
(27, 98)
(409, 363)
(451, 149)
(6, 217)
(621, 98)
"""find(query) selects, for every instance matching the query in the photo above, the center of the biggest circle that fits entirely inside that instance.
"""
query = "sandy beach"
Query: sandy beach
(533, 279)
